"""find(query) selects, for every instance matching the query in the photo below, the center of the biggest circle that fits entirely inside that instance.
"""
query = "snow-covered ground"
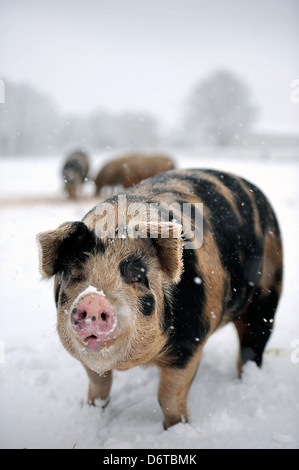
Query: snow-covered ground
(44, 390)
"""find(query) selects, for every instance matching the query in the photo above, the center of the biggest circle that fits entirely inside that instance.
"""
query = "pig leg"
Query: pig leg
(254, 326)
(99, 386)
(173, 392)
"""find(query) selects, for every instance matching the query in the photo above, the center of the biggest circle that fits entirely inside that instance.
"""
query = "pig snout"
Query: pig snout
(93, 319)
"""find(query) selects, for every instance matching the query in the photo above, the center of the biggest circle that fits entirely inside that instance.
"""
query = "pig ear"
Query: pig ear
(167, 238)
(49, 243)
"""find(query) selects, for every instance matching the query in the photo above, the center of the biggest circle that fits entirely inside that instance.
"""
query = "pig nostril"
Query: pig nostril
(81, 315)
(104, 316)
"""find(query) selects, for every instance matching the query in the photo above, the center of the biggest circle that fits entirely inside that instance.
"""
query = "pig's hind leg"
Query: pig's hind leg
(254, 326)
(99, 386)
(255, 323)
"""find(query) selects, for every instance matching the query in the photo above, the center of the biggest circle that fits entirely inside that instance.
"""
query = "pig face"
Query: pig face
(110, 293)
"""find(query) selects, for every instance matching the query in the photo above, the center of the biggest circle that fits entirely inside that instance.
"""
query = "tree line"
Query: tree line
(219, 112)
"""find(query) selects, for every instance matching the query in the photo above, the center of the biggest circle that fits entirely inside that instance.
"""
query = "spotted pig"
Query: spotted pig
(74, 173)
(155, 293)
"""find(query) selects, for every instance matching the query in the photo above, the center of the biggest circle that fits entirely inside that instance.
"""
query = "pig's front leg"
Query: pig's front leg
(99, 386)
(173, 393)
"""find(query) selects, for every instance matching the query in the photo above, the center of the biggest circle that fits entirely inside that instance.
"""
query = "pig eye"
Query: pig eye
(134, 272)
(77, 277)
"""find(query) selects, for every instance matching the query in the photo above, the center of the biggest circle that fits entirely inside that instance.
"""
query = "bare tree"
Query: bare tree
(219, 110)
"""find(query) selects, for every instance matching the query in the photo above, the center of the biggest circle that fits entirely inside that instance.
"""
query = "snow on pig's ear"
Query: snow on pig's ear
(49, 243)
(168, 241)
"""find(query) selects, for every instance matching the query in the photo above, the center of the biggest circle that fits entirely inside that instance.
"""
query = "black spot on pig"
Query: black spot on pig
(189, 325)
(77, 247)
(147, 303)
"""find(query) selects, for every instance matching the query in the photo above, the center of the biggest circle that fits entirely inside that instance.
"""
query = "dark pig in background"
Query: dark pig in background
(131, 169)
(155, 298)
(75, 172)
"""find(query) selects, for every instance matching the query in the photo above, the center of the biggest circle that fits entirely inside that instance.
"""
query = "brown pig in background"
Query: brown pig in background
(130, 169)
(146, 289)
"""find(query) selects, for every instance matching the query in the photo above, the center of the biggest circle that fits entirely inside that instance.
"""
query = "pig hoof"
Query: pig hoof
(105, 403)
(99, 402)
(168, 422)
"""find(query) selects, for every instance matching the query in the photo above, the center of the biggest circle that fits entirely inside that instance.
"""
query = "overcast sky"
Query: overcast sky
(146, 55)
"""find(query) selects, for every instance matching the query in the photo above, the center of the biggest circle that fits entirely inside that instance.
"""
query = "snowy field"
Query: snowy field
(44, 390)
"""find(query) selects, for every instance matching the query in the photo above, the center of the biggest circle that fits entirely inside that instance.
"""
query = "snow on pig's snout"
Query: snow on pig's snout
(93, 319)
